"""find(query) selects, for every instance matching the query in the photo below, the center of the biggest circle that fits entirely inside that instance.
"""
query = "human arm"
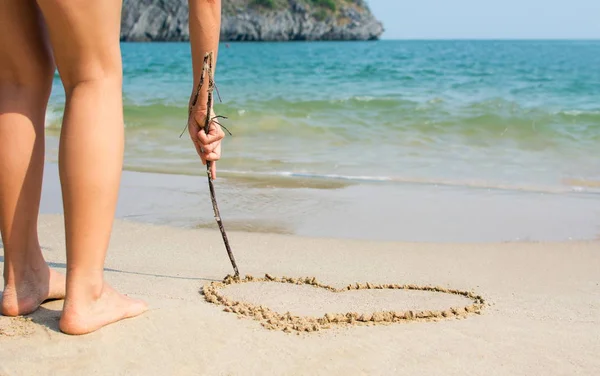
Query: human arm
(205, 27)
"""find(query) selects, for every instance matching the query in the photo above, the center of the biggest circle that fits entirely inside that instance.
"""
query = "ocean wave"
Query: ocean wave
(366, 117)
(568, 185)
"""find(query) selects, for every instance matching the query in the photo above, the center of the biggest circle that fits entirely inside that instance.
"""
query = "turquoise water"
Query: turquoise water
(522, 115)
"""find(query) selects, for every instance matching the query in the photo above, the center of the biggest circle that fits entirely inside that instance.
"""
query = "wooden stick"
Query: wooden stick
(207, 70)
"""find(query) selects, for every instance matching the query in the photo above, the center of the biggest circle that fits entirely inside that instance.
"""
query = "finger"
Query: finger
(213, 136)
(215, 133)
(213, 170)
(210, 147)
(201, 153)
(212, 156)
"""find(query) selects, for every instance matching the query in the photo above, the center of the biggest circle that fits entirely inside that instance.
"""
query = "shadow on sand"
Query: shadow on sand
(64, 266)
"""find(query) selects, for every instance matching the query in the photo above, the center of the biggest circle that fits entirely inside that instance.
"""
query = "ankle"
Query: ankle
(84, 287)
(24, 271)
(23, 259)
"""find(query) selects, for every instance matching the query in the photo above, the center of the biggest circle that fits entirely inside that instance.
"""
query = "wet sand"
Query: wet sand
(329, 209)
(542, 315)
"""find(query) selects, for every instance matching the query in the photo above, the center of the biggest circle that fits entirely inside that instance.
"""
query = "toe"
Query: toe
(136, 307)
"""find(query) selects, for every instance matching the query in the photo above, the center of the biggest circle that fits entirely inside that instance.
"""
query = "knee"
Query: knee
(105, 80)
(91, 70)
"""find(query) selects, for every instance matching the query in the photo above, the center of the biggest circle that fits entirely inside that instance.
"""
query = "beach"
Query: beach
(431, 207)
(378, 211)
(542, 313)
(436, 141)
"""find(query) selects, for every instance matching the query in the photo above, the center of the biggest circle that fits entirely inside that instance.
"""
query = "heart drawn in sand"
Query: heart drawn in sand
(289, 323)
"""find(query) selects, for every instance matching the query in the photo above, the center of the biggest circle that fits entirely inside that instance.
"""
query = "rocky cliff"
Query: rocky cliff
(254, 20)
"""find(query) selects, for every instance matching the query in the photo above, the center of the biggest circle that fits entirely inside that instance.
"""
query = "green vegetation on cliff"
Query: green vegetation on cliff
(316, 5)
(274, 4)
(319, 9)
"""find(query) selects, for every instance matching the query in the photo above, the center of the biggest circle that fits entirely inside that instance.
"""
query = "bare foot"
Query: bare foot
(86, 317)
(32, 290)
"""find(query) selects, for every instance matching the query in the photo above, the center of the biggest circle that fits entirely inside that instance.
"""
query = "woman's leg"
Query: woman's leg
(26, 71)
(85, 40)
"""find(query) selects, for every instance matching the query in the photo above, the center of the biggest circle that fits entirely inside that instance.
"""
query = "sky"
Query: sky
(488, 19)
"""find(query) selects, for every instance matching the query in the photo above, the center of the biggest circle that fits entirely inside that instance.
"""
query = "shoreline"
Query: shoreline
(379, 212)
(331, 181)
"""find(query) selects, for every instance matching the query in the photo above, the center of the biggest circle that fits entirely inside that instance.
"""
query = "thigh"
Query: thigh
(25, 54)
(85, 38)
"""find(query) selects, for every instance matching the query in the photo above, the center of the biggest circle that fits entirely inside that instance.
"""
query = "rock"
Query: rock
(167, 20)
(150, 20)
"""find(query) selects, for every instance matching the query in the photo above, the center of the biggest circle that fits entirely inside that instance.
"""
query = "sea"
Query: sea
(383, 119)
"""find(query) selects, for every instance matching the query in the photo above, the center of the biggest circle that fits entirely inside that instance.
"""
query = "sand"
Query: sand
(416, 303)
(427, 213)
(542, 313)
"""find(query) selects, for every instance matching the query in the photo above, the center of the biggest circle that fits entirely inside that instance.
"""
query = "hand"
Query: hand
(208, 146)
